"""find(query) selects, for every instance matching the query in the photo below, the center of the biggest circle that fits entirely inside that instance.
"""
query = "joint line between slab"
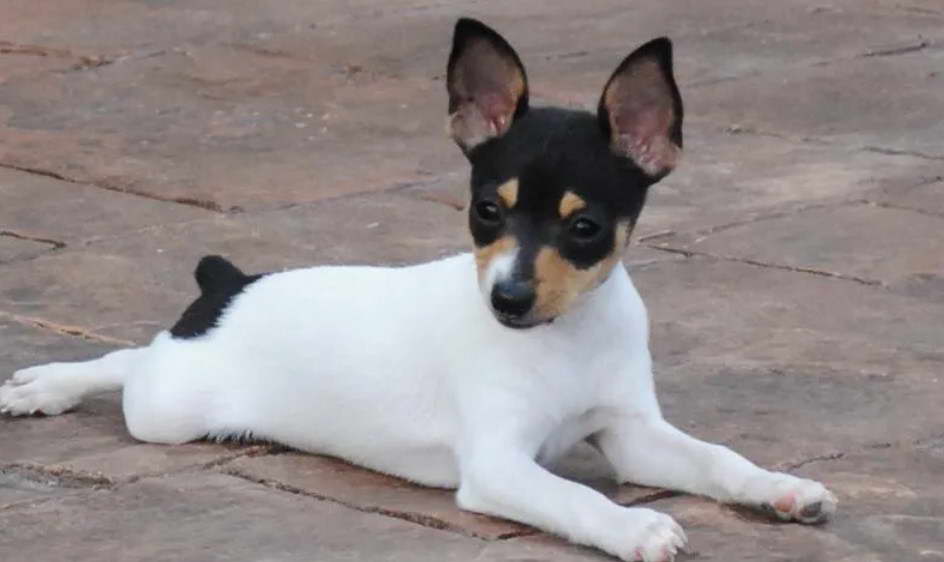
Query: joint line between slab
(412, 517)
(66, 330)
(206, 205)
(756, 263)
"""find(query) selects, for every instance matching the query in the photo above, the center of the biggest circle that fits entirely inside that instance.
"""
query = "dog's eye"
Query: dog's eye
(584, 229)
(487, 211)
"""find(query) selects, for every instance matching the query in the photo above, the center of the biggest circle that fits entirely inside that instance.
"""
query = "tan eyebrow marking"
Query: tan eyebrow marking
(508, 192)
(570, 203)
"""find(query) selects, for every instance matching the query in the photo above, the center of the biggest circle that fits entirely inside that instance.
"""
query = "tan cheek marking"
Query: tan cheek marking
(570, 203)
(559, 282)
(485, 254)
(508, 192)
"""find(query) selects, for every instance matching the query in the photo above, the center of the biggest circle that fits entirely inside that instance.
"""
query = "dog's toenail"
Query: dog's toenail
(812, 510)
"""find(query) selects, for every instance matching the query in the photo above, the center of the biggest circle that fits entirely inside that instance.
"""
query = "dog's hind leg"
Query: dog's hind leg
(54, 388)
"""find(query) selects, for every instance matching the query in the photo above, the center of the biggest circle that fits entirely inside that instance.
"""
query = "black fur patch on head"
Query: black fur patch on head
(219, 281)
(551, 152)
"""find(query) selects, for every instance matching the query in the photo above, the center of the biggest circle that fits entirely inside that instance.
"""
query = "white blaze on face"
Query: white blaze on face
(495, 262)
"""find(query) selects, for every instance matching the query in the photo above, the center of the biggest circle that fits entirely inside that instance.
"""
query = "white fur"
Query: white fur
(405, 370)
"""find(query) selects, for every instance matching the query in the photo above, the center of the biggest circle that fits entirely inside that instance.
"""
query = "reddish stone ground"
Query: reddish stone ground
(793, 266)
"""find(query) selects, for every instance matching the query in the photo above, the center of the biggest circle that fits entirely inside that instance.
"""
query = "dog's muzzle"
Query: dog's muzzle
(512, 301)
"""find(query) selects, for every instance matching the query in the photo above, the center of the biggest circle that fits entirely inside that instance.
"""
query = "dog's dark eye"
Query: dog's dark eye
(584, 229)
(488, 211)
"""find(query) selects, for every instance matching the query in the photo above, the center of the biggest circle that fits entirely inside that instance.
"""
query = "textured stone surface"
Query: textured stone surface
(370, 491)
(858, 103)
(215, 517)
(733, 176)
(15, 249)
(805, 331)
(744, 353)
(875, 244)
(69, 214)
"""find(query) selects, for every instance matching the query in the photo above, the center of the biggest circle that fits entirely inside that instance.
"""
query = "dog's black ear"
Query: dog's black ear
(640, 110)
(487, 84)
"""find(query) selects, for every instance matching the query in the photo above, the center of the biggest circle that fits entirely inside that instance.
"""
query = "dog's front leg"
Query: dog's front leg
(505, 481)
(647, 450)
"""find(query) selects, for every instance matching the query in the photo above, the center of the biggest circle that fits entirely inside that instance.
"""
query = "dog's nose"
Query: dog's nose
(512, 298)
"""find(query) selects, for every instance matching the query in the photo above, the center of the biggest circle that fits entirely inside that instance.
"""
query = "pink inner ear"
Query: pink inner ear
(484, 116)
(488, 86)
(641, 131)
(497, 110)
(641, 115)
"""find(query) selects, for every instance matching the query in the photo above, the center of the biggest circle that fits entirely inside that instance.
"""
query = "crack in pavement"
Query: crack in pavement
(896, 152)
(795, 269)
(421, 519)
(793, 465)
(895, 51)
(737, 129)
(65, 329)
(56, 244)
(655, 496)
(85, 62)
(204, 204)
(885, 205)
(53, 476)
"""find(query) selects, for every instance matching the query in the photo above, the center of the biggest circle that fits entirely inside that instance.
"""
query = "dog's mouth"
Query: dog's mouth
(519, 323)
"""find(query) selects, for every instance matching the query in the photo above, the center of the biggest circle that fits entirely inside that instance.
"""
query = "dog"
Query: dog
(476, 371)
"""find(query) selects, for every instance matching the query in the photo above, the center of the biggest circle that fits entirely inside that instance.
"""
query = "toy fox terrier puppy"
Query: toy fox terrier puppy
(472, 372)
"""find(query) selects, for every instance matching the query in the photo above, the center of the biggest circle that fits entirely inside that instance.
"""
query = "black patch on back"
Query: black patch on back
(220, 281)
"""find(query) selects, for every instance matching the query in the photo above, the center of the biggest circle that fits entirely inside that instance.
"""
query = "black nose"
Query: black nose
(512, 298)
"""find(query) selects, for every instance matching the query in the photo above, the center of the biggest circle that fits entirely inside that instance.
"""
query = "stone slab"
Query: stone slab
(229, 129)
(733, 40)
(234, 108)
(15, 249)
(849, 103)
(731, 176)
(23, 485)
(371, 491)
(925, 197)
(877, 244)
(722, 311)
(91, 440)
(532, 548)
(204, 517)
(743, 354)
(69, 213)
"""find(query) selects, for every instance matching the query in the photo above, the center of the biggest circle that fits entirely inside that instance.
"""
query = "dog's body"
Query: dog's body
(404, 370)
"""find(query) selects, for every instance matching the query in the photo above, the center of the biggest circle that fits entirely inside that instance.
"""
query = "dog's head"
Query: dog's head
(555, 192)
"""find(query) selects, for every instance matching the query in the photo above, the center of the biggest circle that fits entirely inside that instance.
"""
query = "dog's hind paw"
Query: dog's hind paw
(799, 499)
(36, 390)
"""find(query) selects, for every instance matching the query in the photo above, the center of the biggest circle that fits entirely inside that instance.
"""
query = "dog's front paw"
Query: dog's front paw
(646, 535)
(36, 390)
(799, 499)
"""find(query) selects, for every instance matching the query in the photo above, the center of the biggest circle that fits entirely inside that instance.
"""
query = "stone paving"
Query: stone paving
(793, 265)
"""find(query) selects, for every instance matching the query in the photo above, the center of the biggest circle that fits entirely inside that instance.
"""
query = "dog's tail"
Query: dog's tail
(216, 274)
